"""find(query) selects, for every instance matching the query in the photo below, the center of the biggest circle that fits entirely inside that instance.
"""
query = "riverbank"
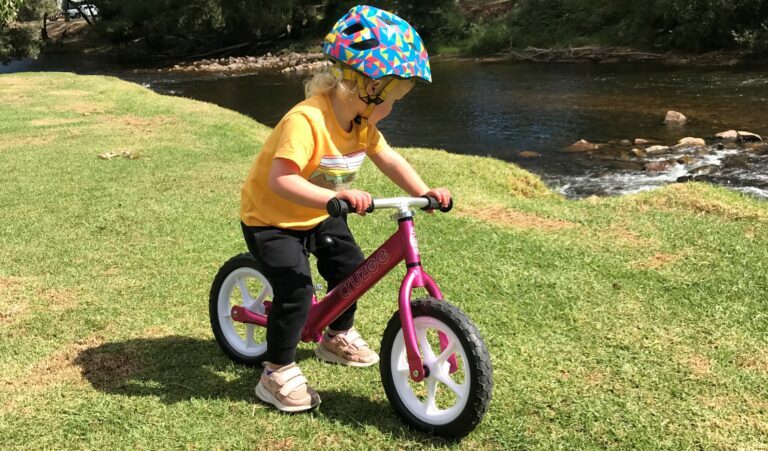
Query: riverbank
(607, 55)
(286, 60)
(587, 307)
(304, 55)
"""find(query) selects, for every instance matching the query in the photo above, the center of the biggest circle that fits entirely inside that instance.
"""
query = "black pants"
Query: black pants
(283, 258)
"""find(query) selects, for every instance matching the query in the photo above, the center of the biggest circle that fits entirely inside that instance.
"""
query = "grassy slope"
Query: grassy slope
(627, 322)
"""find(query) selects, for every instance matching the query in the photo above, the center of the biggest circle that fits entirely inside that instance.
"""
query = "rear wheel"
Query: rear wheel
(447, 403)
(239, 282)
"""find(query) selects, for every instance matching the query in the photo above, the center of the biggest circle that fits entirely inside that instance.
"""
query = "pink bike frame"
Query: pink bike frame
(402, 245)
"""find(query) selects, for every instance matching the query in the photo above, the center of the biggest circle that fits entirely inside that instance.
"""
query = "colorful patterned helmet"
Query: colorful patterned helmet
(377, 43)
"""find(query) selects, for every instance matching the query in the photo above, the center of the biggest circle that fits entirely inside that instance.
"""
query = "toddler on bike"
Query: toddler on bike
(312, 155)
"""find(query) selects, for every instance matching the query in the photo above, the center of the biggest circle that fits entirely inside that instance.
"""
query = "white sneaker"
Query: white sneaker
(346, 348)
(287, 390)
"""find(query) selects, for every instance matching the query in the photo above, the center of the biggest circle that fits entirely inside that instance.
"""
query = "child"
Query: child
(313, 155)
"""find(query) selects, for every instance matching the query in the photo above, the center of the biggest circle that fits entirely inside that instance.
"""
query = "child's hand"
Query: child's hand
(443, 195)
(360, 200)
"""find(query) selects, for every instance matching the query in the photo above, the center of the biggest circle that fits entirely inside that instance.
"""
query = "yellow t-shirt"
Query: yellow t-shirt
(310, 136)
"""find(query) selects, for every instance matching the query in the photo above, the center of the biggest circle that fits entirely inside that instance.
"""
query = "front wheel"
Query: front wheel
(239, 282)
(447, 403)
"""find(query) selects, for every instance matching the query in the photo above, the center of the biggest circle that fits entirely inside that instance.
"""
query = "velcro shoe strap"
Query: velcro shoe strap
(289, 373)
(355, 339)
(293, 383)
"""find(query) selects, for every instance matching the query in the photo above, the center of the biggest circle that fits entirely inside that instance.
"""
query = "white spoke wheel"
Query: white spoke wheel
(239, 282)
(445, 403)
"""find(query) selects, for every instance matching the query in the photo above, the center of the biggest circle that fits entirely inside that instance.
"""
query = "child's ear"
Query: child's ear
(373, 87)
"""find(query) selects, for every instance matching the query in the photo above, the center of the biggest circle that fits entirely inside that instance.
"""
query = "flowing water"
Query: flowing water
(501, 109)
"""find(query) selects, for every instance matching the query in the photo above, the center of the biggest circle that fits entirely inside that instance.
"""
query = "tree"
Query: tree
(162, 24)
(21, 40)
(264, 19)
(8, 10)
(30, 10)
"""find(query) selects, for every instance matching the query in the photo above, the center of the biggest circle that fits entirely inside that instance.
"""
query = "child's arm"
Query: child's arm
(394, 166)
(285, 181)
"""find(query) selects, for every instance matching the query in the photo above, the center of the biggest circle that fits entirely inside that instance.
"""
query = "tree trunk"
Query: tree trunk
(81, 8)
(45, 27)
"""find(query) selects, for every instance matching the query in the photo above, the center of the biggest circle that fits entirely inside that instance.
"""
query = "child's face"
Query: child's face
(383, 109)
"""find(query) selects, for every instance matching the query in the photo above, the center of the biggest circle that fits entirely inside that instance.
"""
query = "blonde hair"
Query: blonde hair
(328, 81)
(325, 83)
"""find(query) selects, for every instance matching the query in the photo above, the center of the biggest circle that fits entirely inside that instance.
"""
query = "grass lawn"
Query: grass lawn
(635, 322)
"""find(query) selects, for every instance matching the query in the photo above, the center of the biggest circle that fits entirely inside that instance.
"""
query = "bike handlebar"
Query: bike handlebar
(337, 207)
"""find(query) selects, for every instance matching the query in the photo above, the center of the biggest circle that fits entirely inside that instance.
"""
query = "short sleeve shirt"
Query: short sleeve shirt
(328, 156)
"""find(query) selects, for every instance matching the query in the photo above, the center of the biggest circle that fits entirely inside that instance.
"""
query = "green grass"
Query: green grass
(635, 323)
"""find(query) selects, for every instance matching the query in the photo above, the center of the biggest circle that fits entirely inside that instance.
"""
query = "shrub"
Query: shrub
(20, 41)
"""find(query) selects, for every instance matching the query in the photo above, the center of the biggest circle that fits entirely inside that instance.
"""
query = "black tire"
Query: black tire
(477, 369)
(244, 261)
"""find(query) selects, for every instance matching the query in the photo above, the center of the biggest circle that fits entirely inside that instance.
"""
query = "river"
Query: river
(500, 109)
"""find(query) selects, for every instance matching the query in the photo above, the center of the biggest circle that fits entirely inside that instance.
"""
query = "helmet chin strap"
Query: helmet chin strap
(370, 100)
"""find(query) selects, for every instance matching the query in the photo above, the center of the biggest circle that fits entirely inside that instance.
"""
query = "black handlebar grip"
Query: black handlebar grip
(435, 205)
(337, 207)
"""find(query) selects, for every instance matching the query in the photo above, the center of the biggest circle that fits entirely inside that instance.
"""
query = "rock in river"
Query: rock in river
(657, 150)
(674, 117)
(748, 137)
(740, 161)
(728, 135)
(581, 145)
(690, 142)
(658, 166)
(758, 148)
(706, 169)
(685, 160)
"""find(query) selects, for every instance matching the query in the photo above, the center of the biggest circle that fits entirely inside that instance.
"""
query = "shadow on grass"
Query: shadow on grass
(172, 368)
(177, 368)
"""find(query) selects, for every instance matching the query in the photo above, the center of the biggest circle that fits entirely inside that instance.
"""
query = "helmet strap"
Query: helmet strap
(343, 72)
(372, 101)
